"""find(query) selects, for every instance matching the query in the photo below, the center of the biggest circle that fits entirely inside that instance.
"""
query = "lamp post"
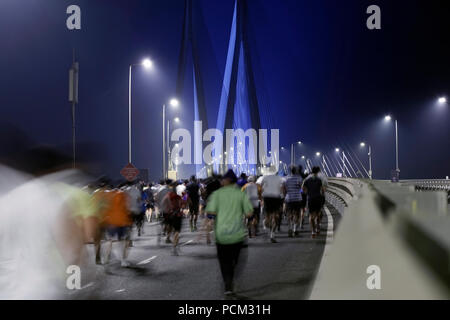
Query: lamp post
(147, 63)
(363, 144)
(388, 118)
(293, 152)
(174, 103)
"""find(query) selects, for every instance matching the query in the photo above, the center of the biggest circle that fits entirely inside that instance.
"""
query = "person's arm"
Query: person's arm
(247, 206)
(211, 207)
(259, 191)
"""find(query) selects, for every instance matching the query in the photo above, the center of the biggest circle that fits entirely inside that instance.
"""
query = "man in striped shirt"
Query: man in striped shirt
(293, 200)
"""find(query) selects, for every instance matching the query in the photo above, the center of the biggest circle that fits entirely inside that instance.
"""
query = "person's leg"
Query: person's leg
(108, 251)
(209, 228)
(195, 220)
(168, 231)
(312, 221)
(296, 220)
(97, 246)
(191, 220)
(226, 266)
(302, 216)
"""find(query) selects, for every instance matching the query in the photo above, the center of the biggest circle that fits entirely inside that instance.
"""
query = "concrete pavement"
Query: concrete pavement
(284, 270)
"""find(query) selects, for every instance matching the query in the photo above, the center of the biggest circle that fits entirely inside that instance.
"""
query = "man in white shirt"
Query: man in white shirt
(273, 191)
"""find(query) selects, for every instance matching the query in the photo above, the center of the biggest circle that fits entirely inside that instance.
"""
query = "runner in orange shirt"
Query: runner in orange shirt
(118, 223)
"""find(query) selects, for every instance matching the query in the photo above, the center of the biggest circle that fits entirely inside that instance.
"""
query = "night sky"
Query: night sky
(321, 76)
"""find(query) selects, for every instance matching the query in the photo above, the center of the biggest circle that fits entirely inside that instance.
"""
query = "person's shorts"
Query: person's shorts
(315, 204)
(166, 218)
(272, 205)
(193, 208)
(294, 206)
(303, 204)
(323, 200)
(255, 214)
(120, 233)
(175, 223)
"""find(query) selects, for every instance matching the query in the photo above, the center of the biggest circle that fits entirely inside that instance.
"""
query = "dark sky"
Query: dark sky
(322, 77)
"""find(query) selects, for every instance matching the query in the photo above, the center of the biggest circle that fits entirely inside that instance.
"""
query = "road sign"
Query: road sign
(130, 172)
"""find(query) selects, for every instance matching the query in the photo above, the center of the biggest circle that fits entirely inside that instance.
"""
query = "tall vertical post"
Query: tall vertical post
(164, 141)
(169, 157)
(73, 98)
(396, 146)
(129, 116)
(370, 162)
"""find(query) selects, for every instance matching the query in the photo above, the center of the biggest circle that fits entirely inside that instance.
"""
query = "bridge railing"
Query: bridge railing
(395, 230)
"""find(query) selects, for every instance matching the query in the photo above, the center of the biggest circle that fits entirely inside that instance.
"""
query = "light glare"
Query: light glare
(174, 102)
(147, 63)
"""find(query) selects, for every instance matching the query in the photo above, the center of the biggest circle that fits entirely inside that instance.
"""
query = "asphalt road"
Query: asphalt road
(284, 270)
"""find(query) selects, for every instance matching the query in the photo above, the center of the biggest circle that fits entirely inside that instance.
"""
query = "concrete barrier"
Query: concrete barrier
(382, 231)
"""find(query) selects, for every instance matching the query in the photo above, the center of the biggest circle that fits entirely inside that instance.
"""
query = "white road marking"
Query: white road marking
(147, 260)
(186, 243)
(120, 290)
(87, 285)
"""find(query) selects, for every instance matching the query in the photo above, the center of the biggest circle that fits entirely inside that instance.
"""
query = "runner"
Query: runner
(172, 207)
(272, 191)
(192, 190)
(314, 189)
(230, 206)
(162, 216)
(253, 192)
(242, 181)
(118, 223)
(293, 201)
(304, 197)
(211, 184)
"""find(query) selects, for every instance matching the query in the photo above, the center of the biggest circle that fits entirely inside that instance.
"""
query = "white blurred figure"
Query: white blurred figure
(39, 234)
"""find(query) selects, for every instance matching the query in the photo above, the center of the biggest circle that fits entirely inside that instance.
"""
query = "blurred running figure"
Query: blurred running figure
(192, 190)
(253, 192)
(293, 201)
(211, 184)
(272, 190)
(314, 189)
(172, 206)
(230, 206)
(118, 223)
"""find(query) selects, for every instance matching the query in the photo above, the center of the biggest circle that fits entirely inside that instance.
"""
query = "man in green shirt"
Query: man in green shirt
(230, 206)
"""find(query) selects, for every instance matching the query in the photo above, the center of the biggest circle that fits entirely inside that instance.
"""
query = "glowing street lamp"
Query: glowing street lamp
(147, 63)
(174, 102)
(442, 100)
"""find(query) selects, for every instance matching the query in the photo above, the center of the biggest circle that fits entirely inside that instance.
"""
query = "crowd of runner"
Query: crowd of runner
(73, 212)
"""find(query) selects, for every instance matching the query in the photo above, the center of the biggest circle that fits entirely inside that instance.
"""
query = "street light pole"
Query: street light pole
(164, 141)
(370, 162)
(396, 146)
(129, 115)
